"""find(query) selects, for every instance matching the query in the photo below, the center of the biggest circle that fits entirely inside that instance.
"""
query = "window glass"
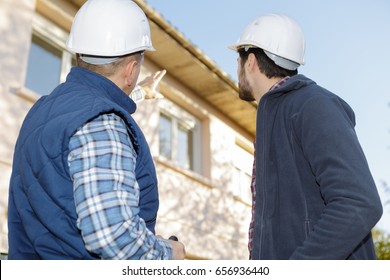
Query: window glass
(180, 136)
(184, 152)
(241, 184)
(242, 175)
(44, 67)
(165, 137)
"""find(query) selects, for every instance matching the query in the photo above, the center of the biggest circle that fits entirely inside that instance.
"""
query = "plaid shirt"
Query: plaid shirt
(102, 165)
(138, 94)
(253, 182)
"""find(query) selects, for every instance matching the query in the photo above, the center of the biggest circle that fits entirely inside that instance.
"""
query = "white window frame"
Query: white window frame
(243, 166)
(56, 37)
(183, 118)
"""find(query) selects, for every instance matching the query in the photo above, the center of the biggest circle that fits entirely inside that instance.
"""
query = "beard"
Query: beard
(244, 88)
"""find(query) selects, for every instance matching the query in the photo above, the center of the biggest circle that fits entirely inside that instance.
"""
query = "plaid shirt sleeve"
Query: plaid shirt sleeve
(138, 94)
(106, 193)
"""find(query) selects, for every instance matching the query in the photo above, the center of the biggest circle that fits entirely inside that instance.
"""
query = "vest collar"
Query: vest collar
(102, 86)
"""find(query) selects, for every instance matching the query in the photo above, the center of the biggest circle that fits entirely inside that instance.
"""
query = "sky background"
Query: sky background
(347, 52)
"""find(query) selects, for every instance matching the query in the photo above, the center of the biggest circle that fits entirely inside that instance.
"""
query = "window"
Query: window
(165, 136)
(179, 137)
(242, 182)
(242, 177)
(48, 62)
(184, 147)
(44, 67)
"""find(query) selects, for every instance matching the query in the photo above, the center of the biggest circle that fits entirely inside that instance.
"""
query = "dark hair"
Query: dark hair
(266, 65)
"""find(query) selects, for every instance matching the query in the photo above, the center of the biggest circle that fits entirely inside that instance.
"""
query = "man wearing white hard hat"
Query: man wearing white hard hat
(313, 194)
(84, 184)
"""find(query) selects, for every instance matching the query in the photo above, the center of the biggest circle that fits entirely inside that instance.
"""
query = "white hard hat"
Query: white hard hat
(279, 36)
(109, 28)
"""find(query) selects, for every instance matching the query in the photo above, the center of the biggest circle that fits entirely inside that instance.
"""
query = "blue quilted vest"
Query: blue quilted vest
(42, 215)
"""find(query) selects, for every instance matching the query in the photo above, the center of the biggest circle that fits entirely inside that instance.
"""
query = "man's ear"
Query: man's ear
(251, 63)
(130, 73)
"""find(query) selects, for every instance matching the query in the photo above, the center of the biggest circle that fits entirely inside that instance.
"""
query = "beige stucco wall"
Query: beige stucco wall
(210, 222)
(15, 30)
(202, 212)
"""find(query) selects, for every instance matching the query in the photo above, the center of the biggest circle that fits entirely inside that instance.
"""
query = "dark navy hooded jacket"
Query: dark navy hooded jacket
(315, 195)
(41, 214)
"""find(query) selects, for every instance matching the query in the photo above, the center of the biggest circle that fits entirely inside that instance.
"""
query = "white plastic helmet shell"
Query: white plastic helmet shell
(279, 36)
(109, 28)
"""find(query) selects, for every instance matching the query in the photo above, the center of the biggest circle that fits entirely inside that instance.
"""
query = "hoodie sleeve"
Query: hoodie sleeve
(325, 129)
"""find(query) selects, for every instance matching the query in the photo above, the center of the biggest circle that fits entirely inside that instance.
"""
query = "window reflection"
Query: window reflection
(184, 152)
(44, 67)
(179, 138)
(165, 137)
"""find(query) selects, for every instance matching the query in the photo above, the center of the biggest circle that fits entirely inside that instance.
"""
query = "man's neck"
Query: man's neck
(264, 85)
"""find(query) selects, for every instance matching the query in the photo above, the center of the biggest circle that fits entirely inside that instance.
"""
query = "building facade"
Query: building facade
(200, 135)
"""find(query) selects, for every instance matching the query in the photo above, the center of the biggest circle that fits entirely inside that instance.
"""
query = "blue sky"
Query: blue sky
(347, 52)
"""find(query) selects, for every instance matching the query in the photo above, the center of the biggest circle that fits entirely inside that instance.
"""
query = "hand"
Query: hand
(179, 252)
(150, 83)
